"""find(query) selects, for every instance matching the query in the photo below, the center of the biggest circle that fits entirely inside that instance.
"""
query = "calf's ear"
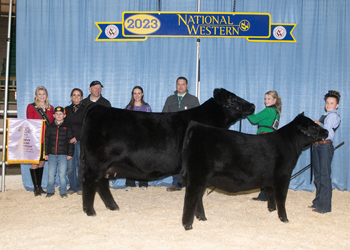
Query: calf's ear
(300, 127)
(216, 92)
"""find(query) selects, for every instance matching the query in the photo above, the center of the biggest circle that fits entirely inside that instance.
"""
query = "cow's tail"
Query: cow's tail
(183, 177)
(82, 169)
(81, 162)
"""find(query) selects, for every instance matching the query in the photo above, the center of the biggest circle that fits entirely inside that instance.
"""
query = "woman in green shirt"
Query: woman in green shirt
(267, 121)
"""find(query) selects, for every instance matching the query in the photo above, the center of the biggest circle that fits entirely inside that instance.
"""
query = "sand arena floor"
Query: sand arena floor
(151, 219)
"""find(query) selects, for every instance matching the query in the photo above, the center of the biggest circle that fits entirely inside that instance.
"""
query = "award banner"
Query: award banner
(24, 140)
(196, 24)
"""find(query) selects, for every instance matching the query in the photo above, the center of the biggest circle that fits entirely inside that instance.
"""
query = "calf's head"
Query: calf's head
(312, 130)
(234, 106)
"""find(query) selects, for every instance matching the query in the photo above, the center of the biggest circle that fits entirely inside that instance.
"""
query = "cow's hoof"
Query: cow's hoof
(285, 220)
(90, 212)
(188, 227)
(272, 209)
(113, 208)
(201, 218)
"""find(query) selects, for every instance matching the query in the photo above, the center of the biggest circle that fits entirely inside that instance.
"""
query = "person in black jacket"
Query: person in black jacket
(58, 150)
(74, 117)
(95, 96)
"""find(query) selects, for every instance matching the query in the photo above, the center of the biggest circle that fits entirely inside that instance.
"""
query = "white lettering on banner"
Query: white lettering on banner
(24, 140)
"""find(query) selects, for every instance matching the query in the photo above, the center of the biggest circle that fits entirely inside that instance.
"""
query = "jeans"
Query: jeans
(176, 181)
(131, 183)
(322, 156)
(73, 169)
(57, 163)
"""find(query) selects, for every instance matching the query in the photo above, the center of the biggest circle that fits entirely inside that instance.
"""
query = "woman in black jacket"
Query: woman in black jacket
(74, 117)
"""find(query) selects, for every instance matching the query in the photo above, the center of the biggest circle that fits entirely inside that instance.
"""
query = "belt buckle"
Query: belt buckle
(316, 143)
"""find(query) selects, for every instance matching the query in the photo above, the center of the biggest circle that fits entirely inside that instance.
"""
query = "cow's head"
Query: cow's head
(234, 106)
(308, 127)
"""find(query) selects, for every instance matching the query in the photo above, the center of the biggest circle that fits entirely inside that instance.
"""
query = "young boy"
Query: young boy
(58, 151)
(322, 154)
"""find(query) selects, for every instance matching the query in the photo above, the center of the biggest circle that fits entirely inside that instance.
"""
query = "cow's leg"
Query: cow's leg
(271, 201)
(281, 190)
(193, 197)
(199, 212)
(106, 195)
(89, 190)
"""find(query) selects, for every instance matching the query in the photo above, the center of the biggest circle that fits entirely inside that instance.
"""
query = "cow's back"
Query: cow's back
(227, 155)
(148, 145)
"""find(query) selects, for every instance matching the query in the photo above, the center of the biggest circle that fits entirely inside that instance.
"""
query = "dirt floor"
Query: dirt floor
(151, 219)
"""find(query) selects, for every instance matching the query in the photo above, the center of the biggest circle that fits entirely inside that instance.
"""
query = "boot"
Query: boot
(39, 172)
(261, 196)
(35, 182)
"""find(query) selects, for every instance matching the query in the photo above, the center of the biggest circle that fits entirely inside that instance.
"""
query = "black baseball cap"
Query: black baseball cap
(60, 109)
(96, 83)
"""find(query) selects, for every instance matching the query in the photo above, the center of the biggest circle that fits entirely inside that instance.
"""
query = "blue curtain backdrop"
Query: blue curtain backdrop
(56, 48)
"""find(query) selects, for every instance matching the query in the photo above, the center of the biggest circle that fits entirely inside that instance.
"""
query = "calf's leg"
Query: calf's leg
(193, 197)
(281, 190)
(106, 195)
(271, 202)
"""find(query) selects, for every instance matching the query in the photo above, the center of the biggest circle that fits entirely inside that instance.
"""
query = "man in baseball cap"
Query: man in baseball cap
(95, 83)
(95, 96)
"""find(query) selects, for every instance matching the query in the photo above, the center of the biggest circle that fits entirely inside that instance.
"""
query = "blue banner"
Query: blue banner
(137, 26)
(196, 24)
(280, 32)
(112, 31)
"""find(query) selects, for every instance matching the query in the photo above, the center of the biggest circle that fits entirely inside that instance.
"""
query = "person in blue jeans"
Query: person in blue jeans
(58, 151)
(74, 117)
(72, 171)
(322, 154)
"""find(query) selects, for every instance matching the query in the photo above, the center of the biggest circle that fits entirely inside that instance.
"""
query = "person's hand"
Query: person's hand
(69, 157)
(317, 122)
(73, 140)
(46, 157)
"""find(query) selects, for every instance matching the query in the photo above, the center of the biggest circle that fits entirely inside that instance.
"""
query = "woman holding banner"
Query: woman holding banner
(40, 109)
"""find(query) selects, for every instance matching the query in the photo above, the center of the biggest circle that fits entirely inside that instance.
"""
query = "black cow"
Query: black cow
(234, 162)
(143, 146)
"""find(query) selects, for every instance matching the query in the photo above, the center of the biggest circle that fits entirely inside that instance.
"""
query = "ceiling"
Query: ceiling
(4, 11)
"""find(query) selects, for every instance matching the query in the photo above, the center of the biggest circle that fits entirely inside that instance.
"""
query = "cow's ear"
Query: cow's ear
(219, 95)
(304, 130)
(302, 113)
